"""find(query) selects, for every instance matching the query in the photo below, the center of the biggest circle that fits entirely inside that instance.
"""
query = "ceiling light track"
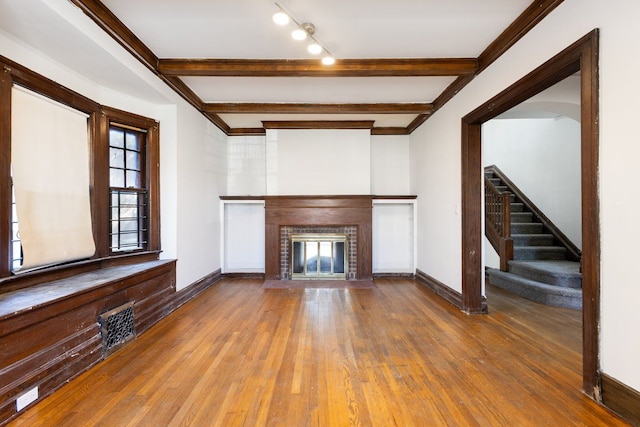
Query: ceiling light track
(303, 31)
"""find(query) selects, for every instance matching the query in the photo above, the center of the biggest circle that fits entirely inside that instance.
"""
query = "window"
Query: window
(128, 190)
(97, 175)
(50, 177)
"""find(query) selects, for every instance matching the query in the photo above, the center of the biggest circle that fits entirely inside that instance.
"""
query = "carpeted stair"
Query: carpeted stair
(540, 270)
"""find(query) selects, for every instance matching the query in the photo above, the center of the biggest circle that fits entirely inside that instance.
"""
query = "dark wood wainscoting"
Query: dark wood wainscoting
(50, 333)
(318, 211)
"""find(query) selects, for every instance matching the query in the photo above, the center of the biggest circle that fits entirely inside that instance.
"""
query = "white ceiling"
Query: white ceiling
(243, 29)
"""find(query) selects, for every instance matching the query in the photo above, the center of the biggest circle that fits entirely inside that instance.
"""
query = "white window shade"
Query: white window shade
(50, 169)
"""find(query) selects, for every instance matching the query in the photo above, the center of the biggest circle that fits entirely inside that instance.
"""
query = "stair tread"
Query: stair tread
(536, 291)
(551, 288)
(556, 267)
(547, 248)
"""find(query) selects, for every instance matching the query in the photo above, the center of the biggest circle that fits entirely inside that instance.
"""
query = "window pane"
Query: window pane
(129, 199)
(116, 158)
(16, 255)
(134, 179)
(129, 225)
(129, 239)
(116, 178)
(116, 137)
(133, 142)
(133, 160)
(128, 213)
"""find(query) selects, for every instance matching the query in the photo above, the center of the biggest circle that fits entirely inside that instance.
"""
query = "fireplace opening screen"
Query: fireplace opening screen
(319, 256)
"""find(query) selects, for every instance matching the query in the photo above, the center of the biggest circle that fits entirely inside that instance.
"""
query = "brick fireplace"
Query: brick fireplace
(351, 215)
(348, 230)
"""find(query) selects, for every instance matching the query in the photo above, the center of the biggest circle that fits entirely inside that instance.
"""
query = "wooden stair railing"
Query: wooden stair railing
(573, 253)
(498, 222)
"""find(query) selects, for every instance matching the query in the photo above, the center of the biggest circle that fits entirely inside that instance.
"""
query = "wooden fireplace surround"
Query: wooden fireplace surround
(318, 211)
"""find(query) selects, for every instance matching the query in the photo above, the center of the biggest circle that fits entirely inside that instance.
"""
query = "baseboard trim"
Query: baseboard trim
(439, 288)
(244, 275)
(450, 295)
(190, 292)
(621, 399)
(393, 275)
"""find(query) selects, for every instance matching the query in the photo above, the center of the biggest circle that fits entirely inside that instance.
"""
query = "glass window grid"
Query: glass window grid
(128, 212)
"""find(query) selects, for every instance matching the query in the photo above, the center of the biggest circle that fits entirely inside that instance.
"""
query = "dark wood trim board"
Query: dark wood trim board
(580, 57)
(621, 399)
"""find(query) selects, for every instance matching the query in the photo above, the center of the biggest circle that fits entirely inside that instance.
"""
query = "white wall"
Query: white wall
(201, 179)
(390, 165)
(246, 165)
(435, 148)
(542, 158)
(318, 162)
(247, 162)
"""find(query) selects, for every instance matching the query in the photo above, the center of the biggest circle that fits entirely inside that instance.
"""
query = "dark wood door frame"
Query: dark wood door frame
(582, 57)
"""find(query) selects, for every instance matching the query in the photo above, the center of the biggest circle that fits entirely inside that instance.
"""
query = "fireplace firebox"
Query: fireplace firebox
(319, 256)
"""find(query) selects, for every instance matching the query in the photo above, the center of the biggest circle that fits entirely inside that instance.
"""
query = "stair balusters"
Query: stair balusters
(498, 222)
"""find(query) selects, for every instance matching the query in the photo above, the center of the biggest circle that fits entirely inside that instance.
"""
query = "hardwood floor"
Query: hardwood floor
(396, 355)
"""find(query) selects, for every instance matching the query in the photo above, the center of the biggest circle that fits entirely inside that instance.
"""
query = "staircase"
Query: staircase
(545, 265)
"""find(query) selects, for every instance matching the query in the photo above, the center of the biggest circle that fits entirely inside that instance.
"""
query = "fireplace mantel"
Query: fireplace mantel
(316, 211)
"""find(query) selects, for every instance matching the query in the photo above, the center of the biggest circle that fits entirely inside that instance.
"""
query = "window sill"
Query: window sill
(76, 289)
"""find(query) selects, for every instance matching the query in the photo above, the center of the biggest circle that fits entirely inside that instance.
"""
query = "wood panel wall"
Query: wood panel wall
(318, 211)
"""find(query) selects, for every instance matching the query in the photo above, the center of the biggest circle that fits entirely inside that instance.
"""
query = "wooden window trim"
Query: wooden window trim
(100, 117)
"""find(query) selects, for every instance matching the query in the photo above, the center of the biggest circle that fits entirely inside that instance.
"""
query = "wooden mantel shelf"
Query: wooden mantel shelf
(341, 196)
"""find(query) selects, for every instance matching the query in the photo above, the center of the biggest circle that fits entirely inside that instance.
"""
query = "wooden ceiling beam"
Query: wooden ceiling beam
(406, 67)
(296, 108)
(318, 124)
(528, 19)
(105, 19)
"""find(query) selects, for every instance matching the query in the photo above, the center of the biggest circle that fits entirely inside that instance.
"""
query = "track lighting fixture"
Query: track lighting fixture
(303, 31)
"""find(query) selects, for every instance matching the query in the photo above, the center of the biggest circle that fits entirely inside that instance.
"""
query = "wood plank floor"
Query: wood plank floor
(396, 355)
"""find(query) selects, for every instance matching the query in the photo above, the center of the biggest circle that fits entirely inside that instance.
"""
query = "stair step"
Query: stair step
(520, 217)
(517, 207)
(532, 239)
(494, 181)
(502, 188)
(557, 273)
(531, 253)
(532, 290)
(526, 228)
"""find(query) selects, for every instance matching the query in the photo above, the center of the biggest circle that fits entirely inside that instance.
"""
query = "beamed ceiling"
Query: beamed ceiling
(397, 62)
